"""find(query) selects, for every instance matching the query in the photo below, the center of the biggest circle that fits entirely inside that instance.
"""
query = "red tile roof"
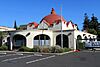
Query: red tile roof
(71, 24)
(51, 18)
(33, 23)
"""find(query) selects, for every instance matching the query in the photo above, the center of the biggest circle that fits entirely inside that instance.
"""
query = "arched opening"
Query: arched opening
(65, 40)
(1, 40)
(98, 38)
(94, 38)
(18, 41)
(78, 42)
(42, 40)
(90, 39)
(79, 37)
(8, 42)
(85, 38)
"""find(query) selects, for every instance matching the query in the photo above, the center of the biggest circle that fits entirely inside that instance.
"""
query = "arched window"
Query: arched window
(65, 40)
(18, 41)
(41, 40)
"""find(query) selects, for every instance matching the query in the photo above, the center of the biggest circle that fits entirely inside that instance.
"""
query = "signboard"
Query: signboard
(92, 44)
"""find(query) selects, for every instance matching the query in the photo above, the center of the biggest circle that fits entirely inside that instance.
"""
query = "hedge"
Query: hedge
(4, 47)
(54, 49)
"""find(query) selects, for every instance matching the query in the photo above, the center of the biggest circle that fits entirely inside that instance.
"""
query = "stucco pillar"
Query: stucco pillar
(29, 42)
(54, 40)
(11, 44)
(51, 41)
(75, 42)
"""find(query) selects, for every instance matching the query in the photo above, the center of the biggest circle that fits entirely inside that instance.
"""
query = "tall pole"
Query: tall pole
(42, 34)
(61, 28)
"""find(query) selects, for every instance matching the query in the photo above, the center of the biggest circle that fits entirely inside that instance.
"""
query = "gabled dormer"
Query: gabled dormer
(32, 25)
(70, 25)
(43, 25)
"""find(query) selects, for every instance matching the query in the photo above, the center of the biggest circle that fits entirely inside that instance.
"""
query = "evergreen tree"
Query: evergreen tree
(92, 31)
(93, 23)
(91, 26)
(15, 25)
(86, 23)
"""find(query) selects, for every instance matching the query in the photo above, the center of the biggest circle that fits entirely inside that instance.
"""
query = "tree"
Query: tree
(2, 35)
(92, 31)
(86, 23)
(15, 25)
(93, 23)
(91, 26)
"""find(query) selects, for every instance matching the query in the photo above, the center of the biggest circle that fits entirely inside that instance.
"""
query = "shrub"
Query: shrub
(80, 45)
(66, 49)
(52, 49)
(23, 48)
(31, 50)
(45, 50)
(56, 49)
(4, 47)
(36, 49)
(60, 50)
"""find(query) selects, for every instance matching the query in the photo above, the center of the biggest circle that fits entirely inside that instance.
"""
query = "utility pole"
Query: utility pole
(61, 29)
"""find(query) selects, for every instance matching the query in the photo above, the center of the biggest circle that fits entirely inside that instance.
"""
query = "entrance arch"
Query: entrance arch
(65, 40)
(79, 37)
(18, 41)
(78, 41)
(8, 42)
(42, 40)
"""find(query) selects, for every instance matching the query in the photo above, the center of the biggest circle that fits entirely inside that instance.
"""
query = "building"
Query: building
(23, 27)
(52, 30)
(4, 28)
(4, 34)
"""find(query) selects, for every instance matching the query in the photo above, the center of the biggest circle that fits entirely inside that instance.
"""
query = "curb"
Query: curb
(65, 53)
(5, 52)
(47, 53)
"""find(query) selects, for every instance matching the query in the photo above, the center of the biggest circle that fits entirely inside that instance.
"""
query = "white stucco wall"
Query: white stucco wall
(3, 28)
(55, 26)
(69, 26)
(83, 34)
(42, 25)
(30, 38)
(52, 34)
(64, 26)
(70, 37)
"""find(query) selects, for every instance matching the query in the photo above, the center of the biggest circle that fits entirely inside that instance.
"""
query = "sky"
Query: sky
(26, 11)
